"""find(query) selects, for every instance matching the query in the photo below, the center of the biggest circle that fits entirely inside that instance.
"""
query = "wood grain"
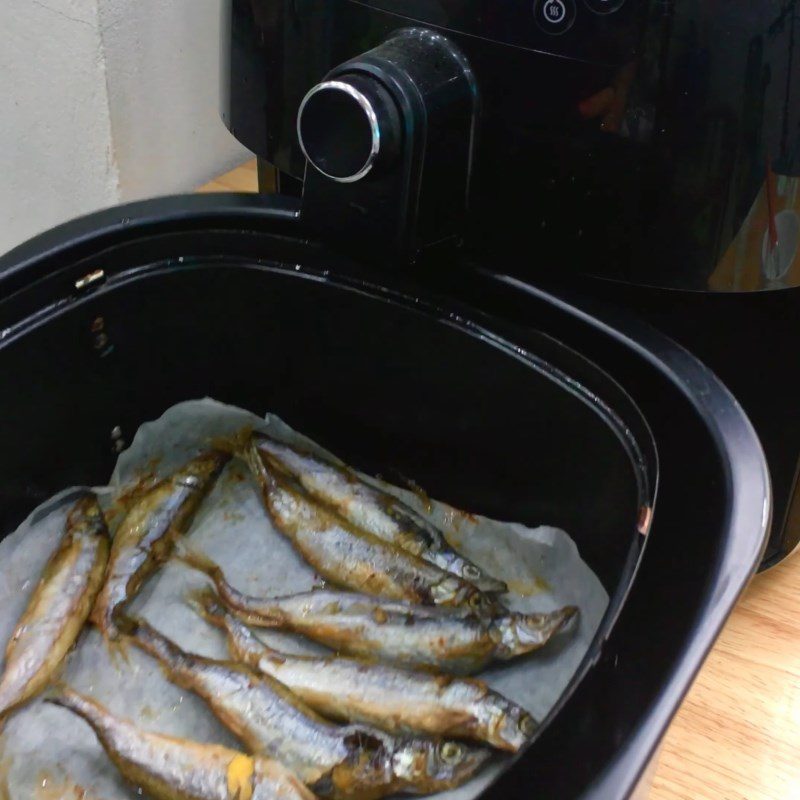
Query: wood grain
(737, 736)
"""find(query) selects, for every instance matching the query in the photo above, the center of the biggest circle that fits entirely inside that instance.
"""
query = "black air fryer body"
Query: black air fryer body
(625, 149)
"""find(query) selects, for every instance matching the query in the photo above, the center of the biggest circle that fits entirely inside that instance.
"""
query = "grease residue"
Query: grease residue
(421, 494)
(528, 586)
(456, 525)
(454, 537)
(234, 443)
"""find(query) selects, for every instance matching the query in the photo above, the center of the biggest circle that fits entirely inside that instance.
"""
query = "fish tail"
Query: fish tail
(85, 707)
(198, 561)
(98, 615)
(242, 643)
(239, 605)
(207, 604)
(251, 455)
(147, 638)
(269, 457)
(66, 697)
(263, 473)
(118, 651)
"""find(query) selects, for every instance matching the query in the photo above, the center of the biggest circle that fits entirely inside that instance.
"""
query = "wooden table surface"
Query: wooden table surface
(737, 736)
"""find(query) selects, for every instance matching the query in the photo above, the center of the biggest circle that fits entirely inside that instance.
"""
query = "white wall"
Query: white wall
(56, 155)
(104, 101)
(162, 66)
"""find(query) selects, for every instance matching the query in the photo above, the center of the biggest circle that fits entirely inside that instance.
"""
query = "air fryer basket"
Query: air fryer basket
(224, 298)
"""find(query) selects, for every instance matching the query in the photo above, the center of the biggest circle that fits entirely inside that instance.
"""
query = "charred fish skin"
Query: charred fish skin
(147, 534)
(352, 557)
(59, 607)
(380, 513)
(437, 638)
(356, 762)
(393, 699)
(173, 769)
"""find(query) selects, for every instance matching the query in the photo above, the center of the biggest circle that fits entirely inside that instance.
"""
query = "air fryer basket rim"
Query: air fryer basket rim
(744, 468)
(749, 487)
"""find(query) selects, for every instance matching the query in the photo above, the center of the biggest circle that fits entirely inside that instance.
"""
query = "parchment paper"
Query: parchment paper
(47, 753)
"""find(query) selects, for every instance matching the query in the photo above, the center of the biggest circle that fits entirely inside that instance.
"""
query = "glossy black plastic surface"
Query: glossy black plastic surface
(231, 299)
(430, 103)
(606, 36)
(750, 340)
(632, 146)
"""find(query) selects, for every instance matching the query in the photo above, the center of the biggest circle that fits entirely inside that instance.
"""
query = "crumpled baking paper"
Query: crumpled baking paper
(48, 753)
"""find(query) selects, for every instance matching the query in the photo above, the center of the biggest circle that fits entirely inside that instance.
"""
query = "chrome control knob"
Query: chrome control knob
(349, 127)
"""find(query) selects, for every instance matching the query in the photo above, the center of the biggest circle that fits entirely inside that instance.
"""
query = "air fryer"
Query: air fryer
(357, 300)
(641, 152)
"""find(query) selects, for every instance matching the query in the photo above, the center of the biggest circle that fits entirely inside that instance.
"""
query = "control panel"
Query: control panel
(604, 31)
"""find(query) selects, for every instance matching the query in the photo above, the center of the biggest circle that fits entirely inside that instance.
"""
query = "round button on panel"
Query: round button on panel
(604, 6)
(348, 127)
(555, 16)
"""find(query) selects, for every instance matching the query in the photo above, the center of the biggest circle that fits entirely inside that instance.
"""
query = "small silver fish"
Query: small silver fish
(357, 762)
(147, 534)
(351, 557)
(433, 637)
(378, 512)
(394, 699)
(177, 769)
(59, 607)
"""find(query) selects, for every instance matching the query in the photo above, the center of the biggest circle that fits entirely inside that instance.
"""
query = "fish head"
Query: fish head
(486, 583)
(472, 573)
(425, 766)
(524, 633)
(454, 592)
(484, 604)
(511, 726)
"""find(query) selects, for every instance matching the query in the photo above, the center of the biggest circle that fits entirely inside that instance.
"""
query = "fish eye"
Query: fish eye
(476, 601)
(527, 725)
(471, 572)
(451, 752)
